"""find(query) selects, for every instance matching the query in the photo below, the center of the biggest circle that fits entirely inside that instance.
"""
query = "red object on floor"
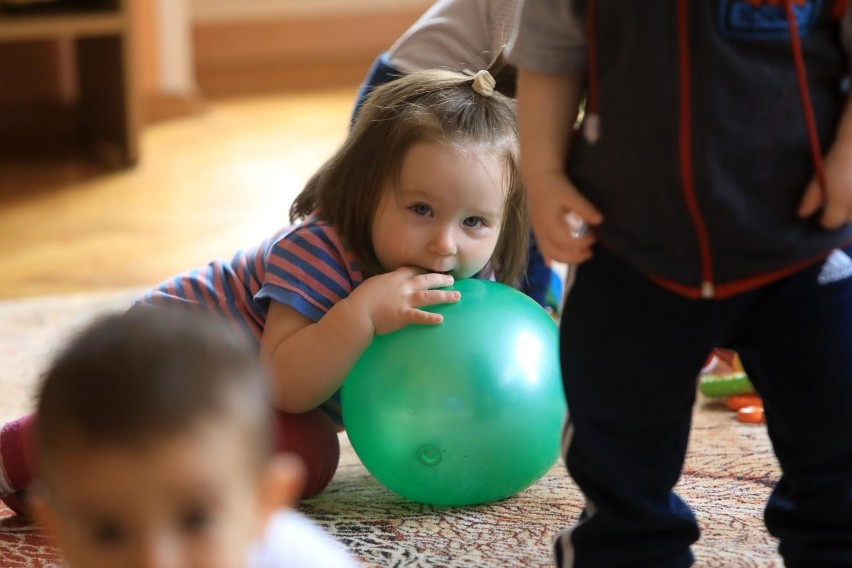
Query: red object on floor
(16, 451)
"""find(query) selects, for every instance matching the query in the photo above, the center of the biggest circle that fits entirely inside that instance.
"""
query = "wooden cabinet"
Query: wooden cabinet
(100, 30)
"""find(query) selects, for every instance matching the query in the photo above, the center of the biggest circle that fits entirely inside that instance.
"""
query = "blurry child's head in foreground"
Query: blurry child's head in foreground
(153, 445)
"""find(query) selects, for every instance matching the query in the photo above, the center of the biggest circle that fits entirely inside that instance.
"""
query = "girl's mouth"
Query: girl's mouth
(432, 271)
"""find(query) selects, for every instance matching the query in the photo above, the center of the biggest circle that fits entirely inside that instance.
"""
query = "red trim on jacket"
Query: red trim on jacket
(805, 95)
(685, 143)
(730, 289)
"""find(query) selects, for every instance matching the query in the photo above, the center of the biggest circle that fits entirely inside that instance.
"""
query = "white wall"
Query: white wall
(174, 47)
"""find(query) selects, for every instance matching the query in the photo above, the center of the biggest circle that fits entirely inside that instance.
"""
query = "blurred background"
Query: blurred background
(139, 138)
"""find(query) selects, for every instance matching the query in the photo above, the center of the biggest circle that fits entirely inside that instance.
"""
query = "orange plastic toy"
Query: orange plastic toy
(751, 415)
(737, 401)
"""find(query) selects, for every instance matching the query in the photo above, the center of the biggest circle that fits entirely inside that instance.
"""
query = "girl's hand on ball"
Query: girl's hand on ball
(393, 300)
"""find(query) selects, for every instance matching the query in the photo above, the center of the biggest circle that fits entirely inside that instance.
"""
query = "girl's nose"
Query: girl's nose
(443, 242)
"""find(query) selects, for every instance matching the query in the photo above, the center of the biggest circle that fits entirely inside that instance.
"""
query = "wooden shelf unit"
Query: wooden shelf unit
(107, 103)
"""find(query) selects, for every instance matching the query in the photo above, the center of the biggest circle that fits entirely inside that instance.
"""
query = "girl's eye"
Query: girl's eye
(109, 533)
(421, 209)
(474, 222)
(195, 520)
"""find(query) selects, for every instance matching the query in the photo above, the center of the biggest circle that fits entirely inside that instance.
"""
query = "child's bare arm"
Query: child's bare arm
(547, 109)
(309, 360)
(836, 201)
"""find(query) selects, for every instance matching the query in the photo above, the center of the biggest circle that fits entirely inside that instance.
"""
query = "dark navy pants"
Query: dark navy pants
(631, 352)
(536, 280)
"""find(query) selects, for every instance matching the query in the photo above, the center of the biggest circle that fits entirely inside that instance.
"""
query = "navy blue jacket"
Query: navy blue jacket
(704, 153)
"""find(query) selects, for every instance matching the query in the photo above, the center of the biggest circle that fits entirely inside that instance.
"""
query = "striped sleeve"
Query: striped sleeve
(309, 269)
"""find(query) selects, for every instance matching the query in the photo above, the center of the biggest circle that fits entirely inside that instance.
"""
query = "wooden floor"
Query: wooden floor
(206, 186)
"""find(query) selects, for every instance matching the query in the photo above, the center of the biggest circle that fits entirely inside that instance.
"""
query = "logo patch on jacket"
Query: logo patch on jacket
(765, 19)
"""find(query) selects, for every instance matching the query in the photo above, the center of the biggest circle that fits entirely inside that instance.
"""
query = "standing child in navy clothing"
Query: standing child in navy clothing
(714, 168)
(424, 191)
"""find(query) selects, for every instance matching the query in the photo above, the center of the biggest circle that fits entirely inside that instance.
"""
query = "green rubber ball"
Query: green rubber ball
(465, 412)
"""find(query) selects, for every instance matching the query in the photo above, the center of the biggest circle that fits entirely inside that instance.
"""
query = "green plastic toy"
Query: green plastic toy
(725, 385)
(465, 412)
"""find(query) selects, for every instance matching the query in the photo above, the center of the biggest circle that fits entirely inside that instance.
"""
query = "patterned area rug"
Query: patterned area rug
(729, 473)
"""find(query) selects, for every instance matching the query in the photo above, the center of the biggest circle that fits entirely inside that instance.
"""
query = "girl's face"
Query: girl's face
(445, 215)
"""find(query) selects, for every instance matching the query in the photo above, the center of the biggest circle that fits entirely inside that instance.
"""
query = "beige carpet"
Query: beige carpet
(729, 473)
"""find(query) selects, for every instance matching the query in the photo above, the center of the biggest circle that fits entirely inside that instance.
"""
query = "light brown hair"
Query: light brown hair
(132, 379)
(424, 106)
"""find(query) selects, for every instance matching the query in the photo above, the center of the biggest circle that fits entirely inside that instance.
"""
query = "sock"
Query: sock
(16, 463)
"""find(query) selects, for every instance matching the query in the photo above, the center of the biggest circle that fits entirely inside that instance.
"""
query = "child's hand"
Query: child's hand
(559, 215)
(836, 203)
(393, 300)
